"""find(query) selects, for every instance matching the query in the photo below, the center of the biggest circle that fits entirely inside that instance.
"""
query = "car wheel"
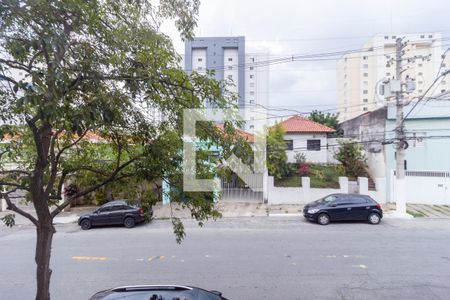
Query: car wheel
(129, 222)
(86, 224)
(323, 219)
(374, 218)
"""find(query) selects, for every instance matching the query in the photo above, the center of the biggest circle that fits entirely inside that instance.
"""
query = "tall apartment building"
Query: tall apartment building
(248, 74)
(359, 74)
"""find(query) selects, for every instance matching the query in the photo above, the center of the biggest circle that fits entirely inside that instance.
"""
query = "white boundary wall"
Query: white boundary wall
(425, 187)
(306, 194)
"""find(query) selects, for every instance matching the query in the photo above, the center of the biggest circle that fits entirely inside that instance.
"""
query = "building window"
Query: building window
(420, 91)
(313, 145)
(252, 93)
(230, 77)
(200, 59)
(252, 84)
(364, 57)
(252, 59)
(393, 37)
(443, 82)
(252, 101)
(386, 37)
(388, 74)
(420, 65)
(420, 73)
(365, 66)
(290, 144)
(230, 59)
(443, 91)
(364, 108)
(251, 68)
(422, 36)
(430, 36)
(252, 126)
(365, 92)
(251, 76)
(365, 74)
(199, 68)
(365, 100)
(230, 68)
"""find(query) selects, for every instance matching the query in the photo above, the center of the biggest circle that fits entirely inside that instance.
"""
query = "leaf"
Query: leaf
(9, 220)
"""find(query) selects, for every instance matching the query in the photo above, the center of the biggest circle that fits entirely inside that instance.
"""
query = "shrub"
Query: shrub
(303, 169)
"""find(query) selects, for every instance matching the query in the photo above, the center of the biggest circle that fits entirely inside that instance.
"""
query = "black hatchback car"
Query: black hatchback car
(113, 213)
(158, 292)
(343, 207)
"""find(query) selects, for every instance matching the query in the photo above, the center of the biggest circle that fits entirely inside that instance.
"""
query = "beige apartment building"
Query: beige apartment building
(359, 74)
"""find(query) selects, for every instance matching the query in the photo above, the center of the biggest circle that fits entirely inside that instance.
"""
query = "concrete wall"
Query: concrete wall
(427, 151)
(306, 194)
(433, 189)
(370, 128)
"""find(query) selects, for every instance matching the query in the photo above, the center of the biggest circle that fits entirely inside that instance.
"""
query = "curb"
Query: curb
(285, 215)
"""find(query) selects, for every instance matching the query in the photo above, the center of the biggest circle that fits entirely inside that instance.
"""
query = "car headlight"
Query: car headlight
(313, 210)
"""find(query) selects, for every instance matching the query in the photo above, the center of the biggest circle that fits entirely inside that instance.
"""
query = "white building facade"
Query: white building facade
(359, 74)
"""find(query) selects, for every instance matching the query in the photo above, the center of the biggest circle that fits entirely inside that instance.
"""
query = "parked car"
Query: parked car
(343, 207)
(113, 213)
(158, 292)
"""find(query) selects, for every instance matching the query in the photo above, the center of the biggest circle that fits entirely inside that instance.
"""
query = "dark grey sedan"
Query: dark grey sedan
(343, 207)
(113, 213)
(158, 292)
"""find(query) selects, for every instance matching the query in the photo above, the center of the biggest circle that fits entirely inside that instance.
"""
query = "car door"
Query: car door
(360, 207)
(339, 208)
(102, 216)
(117, 213)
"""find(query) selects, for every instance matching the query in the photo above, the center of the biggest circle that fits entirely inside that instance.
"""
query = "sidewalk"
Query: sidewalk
(240, 209)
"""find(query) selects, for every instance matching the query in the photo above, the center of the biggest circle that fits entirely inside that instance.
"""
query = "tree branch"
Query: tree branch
(111, 178)
(13, 207)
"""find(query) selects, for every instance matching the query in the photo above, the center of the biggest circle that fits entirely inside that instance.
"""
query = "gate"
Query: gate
(236, 190)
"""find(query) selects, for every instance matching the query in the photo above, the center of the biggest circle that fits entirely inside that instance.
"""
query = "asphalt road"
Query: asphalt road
(246, 258)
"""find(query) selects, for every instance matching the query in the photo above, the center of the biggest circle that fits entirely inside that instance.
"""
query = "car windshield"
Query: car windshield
(326, 199)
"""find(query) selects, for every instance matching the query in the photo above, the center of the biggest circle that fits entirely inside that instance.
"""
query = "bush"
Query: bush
(351, 156)
(304, 169)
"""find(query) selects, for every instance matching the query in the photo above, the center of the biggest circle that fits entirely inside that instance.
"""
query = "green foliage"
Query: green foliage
(90, 72)
(9, 220)
(321, 176)
(328, 119)
(277, 165)
(300, 157)
(350, 155)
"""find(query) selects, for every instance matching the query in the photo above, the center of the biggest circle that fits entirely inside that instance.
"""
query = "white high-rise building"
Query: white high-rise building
(247, 74)
(359, 74)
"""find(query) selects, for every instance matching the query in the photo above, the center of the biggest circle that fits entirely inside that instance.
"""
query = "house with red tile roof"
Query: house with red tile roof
(308, 137)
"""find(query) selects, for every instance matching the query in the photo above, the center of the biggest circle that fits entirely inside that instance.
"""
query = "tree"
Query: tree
(70, 70)
(350, 155)
(328, 119)
(276, 152)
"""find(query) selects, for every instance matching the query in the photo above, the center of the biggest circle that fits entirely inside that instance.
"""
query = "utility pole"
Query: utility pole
(400, 185)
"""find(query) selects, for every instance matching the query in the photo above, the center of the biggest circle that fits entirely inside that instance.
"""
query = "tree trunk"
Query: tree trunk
(45, 232)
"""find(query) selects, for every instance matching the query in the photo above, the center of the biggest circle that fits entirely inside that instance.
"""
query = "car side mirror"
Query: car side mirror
(334, 204)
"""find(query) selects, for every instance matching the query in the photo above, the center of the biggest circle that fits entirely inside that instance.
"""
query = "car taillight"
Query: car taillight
(141, 211)
(378, 205)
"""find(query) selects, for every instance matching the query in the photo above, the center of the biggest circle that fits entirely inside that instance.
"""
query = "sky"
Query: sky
(289, 27)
